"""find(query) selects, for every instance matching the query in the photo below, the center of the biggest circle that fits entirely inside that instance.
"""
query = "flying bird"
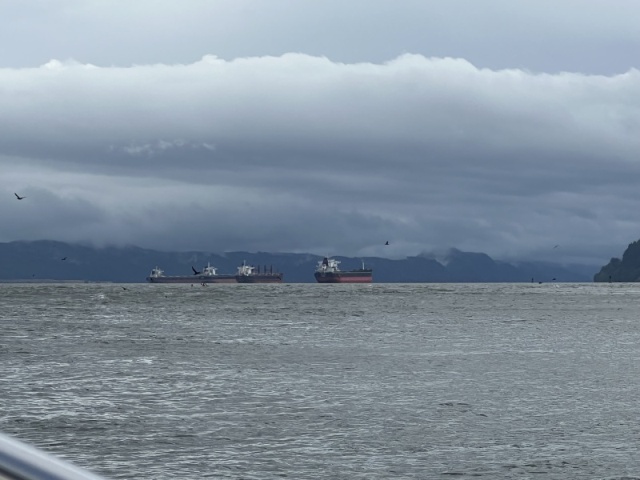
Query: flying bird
(556, 246)
(63, 258)
(195, 272)
(18, 196)
(387, 242)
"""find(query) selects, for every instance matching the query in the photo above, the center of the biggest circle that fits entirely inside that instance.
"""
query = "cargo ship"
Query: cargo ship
(249, 274)
(208, 274)
(328, 271)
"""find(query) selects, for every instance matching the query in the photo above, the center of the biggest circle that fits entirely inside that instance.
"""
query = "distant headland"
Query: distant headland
(626, 269)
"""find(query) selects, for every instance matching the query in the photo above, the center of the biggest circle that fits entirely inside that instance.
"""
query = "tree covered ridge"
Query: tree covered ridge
(625, 270)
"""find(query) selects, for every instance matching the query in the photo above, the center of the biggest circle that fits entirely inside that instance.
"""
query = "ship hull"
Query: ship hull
(357, 276)
(193, 279)
(260, 278)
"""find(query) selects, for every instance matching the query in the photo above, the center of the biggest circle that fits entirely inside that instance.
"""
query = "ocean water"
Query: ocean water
(307, 381)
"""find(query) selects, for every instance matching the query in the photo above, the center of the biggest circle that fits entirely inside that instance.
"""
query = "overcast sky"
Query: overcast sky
(499, 126)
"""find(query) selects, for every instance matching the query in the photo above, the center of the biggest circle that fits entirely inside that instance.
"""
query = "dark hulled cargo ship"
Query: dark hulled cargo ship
(328, 271)
(208, 274)
(249, 274)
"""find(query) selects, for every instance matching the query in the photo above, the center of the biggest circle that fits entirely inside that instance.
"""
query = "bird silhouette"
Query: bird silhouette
(18, 196)
(387, 242)
(63, 258)
(195, 272)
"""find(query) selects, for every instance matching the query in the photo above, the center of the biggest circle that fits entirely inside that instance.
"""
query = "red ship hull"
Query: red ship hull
(364, 276)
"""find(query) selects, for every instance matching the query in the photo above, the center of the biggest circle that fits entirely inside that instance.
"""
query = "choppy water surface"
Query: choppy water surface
(326, 381)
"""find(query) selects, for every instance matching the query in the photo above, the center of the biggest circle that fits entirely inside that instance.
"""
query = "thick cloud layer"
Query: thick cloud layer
(302, 153)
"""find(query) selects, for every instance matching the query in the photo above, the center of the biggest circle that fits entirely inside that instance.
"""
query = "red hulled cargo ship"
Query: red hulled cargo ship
(328, 271)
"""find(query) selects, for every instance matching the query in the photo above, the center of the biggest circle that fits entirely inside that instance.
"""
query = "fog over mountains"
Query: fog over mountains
(58, 261)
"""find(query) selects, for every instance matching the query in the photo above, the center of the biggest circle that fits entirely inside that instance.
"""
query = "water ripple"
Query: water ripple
(308, 381)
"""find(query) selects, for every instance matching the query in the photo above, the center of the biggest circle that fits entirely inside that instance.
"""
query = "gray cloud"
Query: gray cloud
(497, 126)
(299, 153)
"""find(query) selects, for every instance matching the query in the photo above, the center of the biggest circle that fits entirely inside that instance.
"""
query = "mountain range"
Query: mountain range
(46, 260)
